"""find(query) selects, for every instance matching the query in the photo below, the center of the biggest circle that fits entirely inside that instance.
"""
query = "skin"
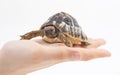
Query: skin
(24, 56)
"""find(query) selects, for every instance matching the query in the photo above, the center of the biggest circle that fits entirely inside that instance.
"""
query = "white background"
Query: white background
(98, 18)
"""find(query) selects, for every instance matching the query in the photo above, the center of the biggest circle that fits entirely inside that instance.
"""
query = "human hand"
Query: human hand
(24, 56)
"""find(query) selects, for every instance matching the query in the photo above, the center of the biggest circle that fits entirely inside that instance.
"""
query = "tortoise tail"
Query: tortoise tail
(31, 35)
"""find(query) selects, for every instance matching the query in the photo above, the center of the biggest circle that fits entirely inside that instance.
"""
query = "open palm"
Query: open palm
(24, 56)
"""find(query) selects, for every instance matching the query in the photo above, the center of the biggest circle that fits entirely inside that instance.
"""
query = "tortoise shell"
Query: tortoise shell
(66, 24)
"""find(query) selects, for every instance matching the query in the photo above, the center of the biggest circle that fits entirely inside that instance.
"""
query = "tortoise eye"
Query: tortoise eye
(67, 21)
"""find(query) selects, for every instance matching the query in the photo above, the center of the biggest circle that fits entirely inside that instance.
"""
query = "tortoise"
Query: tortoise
(60, 27)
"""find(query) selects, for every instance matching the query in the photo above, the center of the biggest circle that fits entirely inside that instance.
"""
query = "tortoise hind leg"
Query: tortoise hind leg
(65, 40)
(31, 34)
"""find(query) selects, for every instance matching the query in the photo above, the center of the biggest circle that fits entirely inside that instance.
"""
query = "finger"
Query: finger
(93, 53)
(88, 54)
(70, 54)
(96, 43)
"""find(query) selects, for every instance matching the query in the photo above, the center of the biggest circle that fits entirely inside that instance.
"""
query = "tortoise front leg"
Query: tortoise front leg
(65, 40)
(31, 34)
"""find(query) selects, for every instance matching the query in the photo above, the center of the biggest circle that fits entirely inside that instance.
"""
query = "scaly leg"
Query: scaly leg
(32, 34)
(78, 40)
(65, 40)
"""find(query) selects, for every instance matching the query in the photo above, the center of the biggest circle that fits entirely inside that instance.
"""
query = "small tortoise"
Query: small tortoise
(61, 27)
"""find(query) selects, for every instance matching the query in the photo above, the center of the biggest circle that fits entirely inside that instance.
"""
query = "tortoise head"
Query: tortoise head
(50, 32)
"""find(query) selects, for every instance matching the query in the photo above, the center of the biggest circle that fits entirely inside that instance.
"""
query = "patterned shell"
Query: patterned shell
(66, 24)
